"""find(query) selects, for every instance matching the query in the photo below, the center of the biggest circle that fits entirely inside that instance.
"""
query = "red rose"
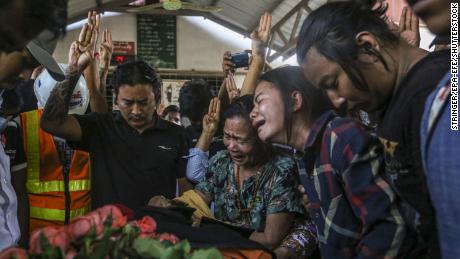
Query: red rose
(118, 219)
(169, 237)
(71, 253)
(128, 212)
(57, 237)
(79, 227)
(107, 210)
(34, 242)
(96, 221)
(13, 252)
(60, 239)
(119, 222)
(146, 224)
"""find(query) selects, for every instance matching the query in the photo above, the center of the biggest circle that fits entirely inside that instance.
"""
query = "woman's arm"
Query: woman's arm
(276, 228)
(260, 38)
(301, 242)
(196, 165)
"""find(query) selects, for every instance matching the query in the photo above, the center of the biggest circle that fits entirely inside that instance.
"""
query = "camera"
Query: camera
(240, 59)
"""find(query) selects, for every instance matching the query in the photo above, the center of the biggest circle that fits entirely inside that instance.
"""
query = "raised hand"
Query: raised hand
(80, 50)
(227, 64)
(94, 19)
(232, 91)
(161, 109)
(261, 36)
(409, 29)
(211, 120)
(106, 49)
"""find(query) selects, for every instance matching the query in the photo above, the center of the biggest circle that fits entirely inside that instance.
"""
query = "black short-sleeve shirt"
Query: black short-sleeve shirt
(399, 132)
(128, 167)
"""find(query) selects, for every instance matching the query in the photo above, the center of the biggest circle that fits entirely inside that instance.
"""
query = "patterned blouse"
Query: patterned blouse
(272, 190)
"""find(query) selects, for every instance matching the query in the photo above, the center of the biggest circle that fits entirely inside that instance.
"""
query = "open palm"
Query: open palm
(106, 48)
(261, 36)
(211, 119)
(409, 29)
(80, 51)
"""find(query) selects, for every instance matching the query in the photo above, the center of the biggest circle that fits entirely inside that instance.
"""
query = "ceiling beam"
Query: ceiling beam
(100, 6)
(227, 24)
(272, 8)
(284, 51)
(289, 43)
(115, 3)
(281, 35)
(121, 6)
(293, 11)
(296, 24)
(214, 2)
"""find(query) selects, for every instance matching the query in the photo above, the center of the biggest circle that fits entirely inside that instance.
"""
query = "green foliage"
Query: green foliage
(149, 248)
(125, 242)
(49, 251)
(152, 248)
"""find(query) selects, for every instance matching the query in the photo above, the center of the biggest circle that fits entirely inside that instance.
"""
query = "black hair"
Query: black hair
(170, 108)
(241, 108)
(332, 29)
(51, 13)
(136, 72)
(289, 79)
(194, 98)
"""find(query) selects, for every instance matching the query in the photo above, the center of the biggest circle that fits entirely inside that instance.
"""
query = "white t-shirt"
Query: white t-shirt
(9, 226)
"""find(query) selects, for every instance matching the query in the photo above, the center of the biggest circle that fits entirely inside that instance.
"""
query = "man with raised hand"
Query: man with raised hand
(135, 154)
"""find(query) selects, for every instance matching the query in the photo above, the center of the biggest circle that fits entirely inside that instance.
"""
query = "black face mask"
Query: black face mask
(27, 95)
(19, 99)
(11, 83)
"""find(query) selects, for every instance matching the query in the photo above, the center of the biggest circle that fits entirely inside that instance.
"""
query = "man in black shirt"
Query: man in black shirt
(399, 132)
(135, 155)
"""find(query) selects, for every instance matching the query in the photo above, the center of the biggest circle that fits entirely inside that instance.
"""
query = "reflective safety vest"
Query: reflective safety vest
(54, 196)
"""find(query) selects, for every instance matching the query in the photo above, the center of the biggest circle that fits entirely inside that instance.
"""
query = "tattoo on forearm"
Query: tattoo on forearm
(57, 106)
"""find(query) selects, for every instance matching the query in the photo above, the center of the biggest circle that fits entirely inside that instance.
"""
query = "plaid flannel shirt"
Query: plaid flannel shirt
(353, 206)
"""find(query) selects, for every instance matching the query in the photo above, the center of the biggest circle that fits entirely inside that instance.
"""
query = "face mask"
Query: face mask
(11, 83)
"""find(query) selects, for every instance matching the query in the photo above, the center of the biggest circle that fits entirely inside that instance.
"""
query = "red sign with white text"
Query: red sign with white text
(124, 48)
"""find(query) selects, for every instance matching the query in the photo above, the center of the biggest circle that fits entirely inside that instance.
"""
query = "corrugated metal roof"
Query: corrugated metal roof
(239, 15)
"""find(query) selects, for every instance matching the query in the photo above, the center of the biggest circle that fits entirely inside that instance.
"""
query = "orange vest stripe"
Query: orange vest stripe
(45, 180)
(58, 186)
(53, 214)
